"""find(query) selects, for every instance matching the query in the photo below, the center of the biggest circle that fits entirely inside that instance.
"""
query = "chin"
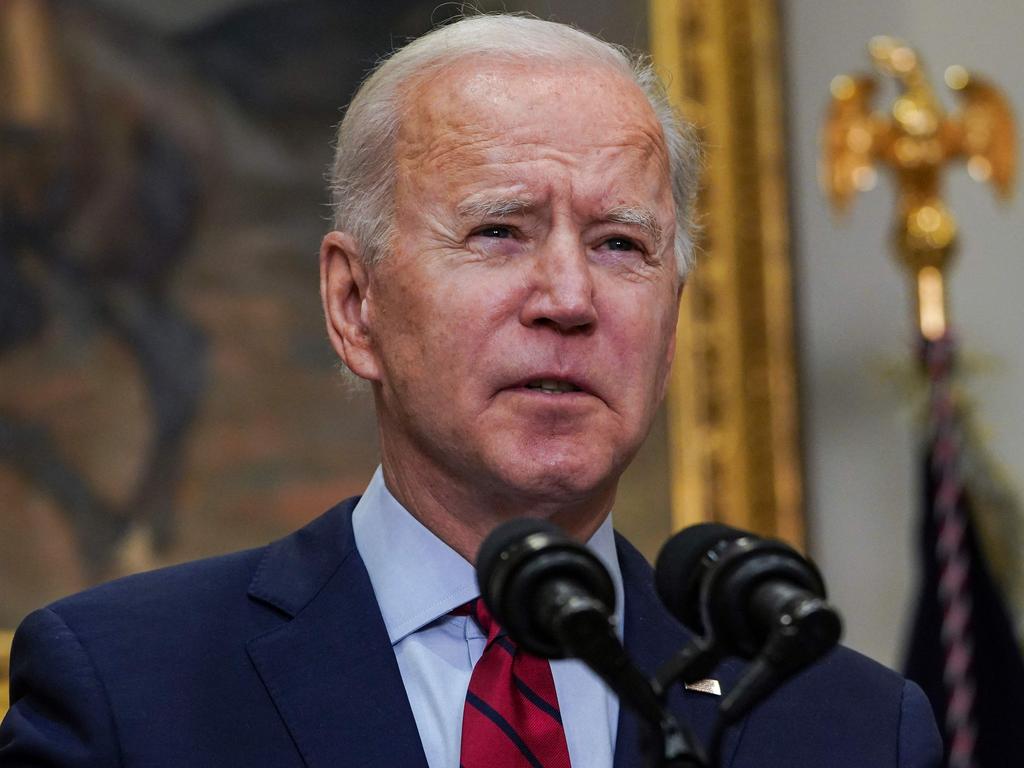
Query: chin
(561, 478)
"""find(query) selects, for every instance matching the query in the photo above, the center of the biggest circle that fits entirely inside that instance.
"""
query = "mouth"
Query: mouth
(555, 389)
(552, 386)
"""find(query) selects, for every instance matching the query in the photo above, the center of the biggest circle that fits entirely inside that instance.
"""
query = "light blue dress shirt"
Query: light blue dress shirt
(418, 580)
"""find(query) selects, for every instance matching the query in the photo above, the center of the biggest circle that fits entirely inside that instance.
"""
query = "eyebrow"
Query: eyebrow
(485, 208)
(637, 217)
(498, 207)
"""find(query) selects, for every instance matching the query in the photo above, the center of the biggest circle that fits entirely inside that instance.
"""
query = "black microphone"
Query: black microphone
(751, 597)
(556, 599)
(551, 593)
(742, 590)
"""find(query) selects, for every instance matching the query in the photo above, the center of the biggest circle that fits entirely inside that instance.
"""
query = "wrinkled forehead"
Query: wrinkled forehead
(476, 101)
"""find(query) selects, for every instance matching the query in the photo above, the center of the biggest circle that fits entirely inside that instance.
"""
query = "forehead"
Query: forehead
(485, 112)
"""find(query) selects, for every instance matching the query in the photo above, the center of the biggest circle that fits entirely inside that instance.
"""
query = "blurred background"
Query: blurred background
(166, 389)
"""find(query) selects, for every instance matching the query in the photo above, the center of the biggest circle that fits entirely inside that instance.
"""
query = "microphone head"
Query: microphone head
(680, 569)
(519, 559)
(710, 577)
(504, 538)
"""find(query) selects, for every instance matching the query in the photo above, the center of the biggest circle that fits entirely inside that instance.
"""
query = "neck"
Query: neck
(463, 511)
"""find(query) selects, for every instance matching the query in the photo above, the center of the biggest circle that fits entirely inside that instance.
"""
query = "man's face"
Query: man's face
(523, 320)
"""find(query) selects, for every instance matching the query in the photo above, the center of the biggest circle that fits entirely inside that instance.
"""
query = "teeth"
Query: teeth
(550, 385)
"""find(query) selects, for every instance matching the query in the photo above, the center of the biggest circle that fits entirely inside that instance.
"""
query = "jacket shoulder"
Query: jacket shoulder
(198, 584)
(194, 607)
(132, 666)
(847, 706)
(216, 589)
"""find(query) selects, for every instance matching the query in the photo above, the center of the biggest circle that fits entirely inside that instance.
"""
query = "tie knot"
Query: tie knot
(478, 611)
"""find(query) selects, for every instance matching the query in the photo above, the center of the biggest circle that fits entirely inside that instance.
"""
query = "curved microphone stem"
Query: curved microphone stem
(692, 663)
(583, 627)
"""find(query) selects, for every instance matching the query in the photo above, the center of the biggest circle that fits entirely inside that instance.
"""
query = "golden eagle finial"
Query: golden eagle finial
(915, 141)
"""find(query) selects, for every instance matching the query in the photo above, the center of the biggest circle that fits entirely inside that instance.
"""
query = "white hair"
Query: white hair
(362, 177)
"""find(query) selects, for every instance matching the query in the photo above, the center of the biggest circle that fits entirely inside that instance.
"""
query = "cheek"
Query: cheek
(641, 341)
(399, 315)
(462, 314)
(442, 321)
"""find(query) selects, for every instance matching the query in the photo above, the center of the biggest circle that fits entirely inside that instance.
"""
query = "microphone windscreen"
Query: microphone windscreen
(500, 540)
(678, 571)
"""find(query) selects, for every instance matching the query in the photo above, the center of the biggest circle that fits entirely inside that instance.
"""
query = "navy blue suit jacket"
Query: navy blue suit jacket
(279, 657)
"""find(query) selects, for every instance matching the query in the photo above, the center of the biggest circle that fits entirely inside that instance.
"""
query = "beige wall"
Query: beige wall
(854, 311)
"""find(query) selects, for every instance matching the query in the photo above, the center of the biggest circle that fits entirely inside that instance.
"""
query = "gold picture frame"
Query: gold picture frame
(6, 638)
(732, 406)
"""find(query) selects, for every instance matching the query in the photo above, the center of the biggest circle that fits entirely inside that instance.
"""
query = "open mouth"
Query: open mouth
(552, 386)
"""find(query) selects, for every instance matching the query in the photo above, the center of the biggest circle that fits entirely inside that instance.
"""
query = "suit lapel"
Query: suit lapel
(652, 637)
(330, 670)
(329, 666)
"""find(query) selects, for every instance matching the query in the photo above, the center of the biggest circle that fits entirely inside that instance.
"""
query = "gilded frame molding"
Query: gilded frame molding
(732, 404)
(6, 638)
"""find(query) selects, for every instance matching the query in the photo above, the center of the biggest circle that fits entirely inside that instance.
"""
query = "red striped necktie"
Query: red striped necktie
(511, 719)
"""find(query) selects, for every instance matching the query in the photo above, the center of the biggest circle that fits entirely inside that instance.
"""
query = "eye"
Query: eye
(495, 242)
(621, 244)
(495, 231)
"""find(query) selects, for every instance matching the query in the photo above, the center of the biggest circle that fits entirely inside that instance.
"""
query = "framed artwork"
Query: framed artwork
(166, 389)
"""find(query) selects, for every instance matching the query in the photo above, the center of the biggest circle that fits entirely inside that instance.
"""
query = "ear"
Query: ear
(344, 291)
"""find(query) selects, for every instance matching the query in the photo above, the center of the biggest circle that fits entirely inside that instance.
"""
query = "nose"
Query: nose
(562, 288)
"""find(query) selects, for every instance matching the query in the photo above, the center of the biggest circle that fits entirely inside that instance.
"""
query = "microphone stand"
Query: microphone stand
(583, 627)
(693, 662)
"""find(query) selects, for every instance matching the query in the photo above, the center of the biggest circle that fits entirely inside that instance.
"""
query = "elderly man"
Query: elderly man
(511, 202)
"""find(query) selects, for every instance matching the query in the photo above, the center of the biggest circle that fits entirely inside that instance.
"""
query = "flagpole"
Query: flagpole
(916, 142)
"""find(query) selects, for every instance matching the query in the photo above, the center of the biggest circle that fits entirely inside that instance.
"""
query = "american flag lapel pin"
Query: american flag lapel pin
(707, 685)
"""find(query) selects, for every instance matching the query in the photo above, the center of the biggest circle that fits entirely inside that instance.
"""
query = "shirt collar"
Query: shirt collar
(416, 577)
